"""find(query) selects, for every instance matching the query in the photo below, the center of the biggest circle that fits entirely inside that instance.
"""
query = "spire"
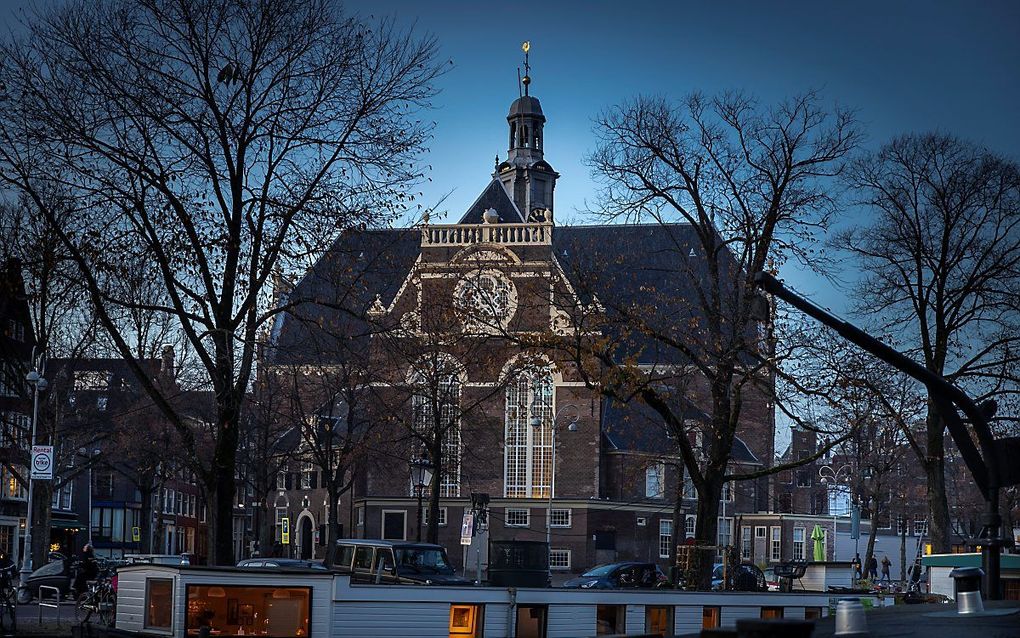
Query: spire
(525, 174)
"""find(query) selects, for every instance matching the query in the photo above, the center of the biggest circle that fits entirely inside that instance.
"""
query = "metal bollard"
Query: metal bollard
(967, 583)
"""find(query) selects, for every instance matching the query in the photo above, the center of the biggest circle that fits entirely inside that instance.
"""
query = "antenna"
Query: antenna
(519, 92)
(527, 67)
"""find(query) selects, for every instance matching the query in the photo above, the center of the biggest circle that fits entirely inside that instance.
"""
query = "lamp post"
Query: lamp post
(421, 473)
(836, 477)
(90, 459)
(536, 423)
(38, 384)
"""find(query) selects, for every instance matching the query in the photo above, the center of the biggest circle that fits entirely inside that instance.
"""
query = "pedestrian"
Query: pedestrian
(88, 569)
(856, 564)
(886, 563)
(872, 571)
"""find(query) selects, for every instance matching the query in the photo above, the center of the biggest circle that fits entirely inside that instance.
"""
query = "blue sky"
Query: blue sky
(905, 66)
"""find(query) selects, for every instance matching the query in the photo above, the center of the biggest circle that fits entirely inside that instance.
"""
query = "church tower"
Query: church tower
(525, 174)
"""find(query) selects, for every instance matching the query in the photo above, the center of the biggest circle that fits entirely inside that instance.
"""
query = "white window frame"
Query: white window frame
(690, 525)
(746, 542)
(527, 458)
(665, 536)
(921, 525)
(382, 524)
(442, 516)
(306, 475)
(776, 544)
(281, 481)
(799, 546)
(449, 387)
(564, 565)
(517, 510)
(761, 531)
(642, 521)
(655, 478)
(560, 510)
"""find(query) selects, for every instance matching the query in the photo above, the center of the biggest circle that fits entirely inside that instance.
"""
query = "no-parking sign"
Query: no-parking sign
(42, 462)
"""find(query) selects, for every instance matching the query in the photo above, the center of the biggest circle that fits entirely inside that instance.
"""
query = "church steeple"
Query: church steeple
(525, 174)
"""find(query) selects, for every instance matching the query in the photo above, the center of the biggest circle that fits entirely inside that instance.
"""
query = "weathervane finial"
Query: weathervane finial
(527, 67)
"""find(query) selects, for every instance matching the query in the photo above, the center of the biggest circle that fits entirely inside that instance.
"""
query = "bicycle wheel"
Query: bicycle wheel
(108, 609)
(83, 606)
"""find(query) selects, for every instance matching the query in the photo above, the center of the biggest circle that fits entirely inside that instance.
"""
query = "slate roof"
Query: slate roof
(635, 427)
(494, 196)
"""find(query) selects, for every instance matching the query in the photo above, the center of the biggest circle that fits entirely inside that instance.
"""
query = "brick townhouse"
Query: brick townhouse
(615, 467)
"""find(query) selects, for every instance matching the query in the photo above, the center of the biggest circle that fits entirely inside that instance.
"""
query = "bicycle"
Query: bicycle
(99, 599)
(8, 602)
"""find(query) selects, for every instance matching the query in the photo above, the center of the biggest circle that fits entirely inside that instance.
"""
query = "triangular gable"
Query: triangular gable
(494, 196)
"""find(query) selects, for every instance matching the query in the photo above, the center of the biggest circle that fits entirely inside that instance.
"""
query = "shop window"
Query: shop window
(771, 613)
(236, 610)
(609, 619)
(531, 621)
(159, 599)
(710, 617)
(659, 621)
(465, 621)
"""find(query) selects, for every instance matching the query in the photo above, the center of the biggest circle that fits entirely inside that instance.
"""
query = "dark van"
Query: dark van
(395, 562)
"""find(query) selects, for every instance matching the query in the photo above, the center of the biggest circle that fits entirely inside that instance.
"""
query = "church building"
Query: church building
(556, 459)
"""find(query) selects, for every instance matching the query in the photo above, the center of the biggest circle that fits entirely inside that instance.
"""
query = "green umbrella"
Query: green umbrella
(817, 535)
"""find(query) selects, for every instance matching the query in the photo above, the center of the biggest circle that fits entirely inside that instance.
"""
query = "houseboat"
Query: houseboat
(179, 601)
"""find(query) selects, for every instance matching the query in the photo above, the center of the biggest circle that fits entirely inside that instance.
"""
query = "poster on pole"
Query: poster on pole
(42, 462)
(467, 528)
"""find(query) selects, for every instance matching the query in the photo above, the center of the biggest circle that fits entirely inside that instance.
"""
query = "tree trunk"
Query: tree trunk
(42, 495)
(432, 535)
(222, 488)
(935, 473)
(679, 520)
(706, 529)
(145, 517)
(332, 523)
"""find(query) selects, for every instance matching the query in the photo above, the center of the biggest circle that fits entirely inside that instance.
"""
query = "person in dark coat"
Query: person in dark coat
(88, 569)
(873, 568)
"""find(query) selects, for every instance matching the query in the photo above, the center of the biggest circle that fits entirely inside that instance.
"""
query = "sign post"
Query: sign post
(42, 462)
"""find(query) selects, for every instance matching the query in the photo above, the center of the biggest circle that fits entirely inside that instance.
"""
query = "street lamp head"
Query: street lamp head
(572, 427)
(41, 384)
(33, 377)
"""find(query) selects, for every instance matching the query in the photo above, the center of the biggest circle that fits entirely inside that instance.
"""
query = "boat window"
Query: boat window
(812, 613)
(609, 619)
(363, 558)
(159, 597)
(273, 612)
(531, 621)
(466, 621)
(710, 617)
(771, 613)
(659, 621)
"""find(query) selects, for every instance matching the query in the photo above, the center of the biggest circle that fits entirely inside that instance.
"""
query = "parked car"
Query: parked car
(286, 563)
(748, 578)
(390, 562)
(625, 575)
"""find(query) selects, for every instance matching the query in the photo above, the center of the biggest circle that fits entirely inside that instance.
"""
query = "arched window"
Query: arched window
(528, 449)
(513, 134)
(442, 391)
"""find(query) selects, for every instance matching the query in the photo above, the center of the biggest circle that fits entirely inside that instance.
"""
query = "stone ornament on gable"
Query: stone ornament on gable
(488, 300)
(490, 216)
(377, 307)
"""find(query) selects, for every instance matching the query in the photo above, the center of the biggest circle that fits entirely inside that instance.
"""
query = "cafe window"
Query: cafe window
(268, 611)
(609, 619)
(531, 621)
(659, 621)
(159, 598)
(710, 617)
(466, 621)
(771, 613)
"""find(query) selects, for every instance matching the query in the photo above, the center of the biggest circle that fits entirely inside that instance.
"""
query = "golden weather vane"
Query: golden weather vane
(527, 67)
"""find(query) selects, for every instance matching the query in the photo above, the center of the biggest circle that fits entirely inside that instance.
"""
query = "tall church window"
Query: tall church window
(528, 449)
(443, 394)
(513, 134)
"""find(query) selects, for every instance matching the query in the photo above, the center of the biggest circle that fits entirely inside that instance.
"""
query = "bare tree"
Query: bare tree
(941, 255)
(221, 140)
(735, 188)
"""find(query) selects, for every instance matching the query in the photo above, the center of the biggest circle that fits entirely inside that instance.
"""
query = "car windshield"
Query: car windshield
(422, 559)
(598, 572)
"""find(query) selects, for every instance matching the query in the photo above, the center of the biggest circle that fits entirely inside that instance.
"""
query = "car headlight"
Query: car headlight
(589, 584)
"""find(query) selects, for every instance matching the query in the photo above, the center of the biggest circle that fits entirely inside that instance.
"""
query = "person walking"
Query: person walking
(872, 570)
(886, 563)
(856, 565)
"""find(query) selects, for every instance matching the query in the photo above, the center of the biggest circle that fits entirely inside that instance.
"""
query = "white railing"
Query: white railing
(467, 234)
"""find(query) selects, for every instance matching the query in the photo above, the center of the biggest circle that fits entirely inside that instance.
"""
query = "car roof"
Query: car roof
(374, 543)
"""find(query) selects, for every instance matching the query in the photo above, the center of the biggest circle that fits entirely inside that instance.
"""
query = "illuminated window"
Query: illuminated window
(248, 610)
(609, 619)
(466, 620)
(528, 456)
(812, 613)
(659, 620)
(771, 613)
(159, 598)
(710, 617)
